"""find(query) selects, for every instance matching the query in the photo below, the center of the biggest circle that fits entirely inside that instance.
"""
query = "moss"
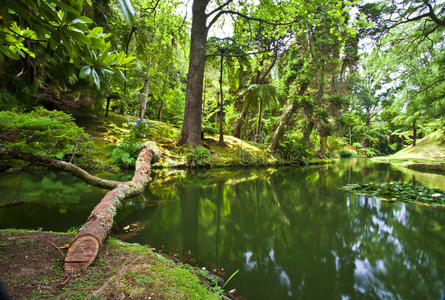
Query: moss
(235, 152)
(123, 269)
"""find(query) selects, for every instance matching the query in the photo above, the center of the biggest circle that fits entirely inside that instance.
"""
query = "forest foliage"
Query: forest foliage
(334, 78)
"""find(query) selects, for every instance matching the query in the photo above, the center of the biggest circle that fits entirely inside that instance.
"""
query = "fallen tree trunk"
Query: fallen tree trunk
(63, 166)
(86, 245)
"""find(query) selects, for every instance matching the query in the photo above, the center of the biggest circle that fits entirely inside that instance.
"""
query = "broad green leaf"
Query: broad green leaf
(128, 11)
(96, 78)
(85, 72)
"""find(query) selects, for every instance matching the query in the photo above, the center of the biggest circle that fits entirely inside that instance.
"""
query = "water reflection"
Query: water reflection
(291, 232)
(294, 234)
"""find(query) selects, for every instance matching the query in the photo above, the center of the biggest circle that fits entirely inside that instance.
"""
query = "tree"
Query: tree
(260, 95)
(316, 54)
(191, 129)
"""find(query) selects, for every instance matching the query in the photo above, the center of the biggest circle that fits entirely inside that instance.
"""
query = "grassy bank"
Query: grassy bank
(32, 269)
(105, 135)
(428, 155)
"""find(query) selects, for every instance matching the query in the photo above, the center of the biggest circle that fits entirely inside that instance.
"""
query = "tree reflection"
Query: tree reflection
(294, 234)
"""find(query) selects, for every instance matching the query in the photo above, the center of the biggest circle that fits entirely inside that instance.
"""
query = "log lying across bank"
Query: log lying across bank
(86, 245)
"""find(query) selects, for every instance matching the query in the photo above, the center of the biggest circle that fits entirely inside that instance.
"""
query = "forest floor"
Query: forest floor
(106, 134)
(428, 155)
(32, 269)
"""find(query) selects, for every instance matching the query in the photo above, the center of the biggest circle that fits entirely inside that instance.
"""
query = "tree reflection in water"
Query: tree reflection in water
(294, 234)
(291, 231)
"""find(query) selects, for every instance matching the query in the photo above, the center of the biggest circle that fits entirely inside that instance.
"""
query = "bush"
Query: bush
(199, 156)
(41, 132)
(357, 146)
(139, 129)
(368, 152)
(345, 153)
(126, 153)
(209, 129)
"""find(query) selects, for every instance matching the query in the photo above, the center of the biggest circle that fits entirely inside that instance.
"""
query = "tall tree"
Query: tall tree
(191, 129)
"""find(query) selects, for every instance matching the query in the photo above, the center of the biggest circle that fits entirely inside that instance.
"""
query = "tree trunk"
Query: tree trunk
(63, 166)
(286, 116)
(85, 246)
(350, 137)
(323, 145)
(160, 111)
(108, 107)
(240, 122)
(221, 101)
(191, 128)
(127, 45)
(256, 137)
(307, 131)
(144, 95)
(414, 133)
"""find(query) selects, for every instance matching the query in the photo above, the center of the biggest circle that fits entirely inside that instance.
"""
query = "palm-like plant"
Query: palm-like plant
(261, 95)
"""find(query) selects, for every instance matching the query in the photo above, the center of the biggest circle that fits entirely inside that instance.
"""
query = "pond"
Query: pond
(291, 232)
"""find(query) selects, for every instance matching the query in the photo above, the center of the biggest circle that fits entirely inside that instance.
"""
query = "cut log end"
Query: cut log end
(81, 254)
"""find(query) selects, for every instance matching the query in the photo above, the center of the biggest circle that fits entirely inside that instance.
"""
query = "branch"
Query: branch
(63, 166)
(219, 8)
(231, 12)
(433, 15)
(236, 54)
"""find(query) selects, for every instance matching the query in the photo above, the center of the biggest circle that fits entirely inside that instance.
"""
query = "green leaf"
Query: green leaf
(96, 78)
(83, 19)
(85, 72)
(128, 11)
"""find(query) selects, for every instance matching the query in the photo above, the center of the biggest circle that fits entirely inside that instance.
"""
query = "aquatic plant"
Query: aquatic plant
(394, 191)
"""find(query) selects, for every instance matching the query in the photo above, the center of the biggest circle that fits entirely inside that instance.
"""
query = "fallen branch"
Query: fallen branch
(63, 166)
(57, 248)
(85, 246)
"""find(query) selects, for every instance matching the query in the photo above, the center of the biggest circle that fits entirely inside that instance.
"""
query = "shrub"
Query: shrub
(42, 132)
(345, 153)
(199, 156)
(139, 129)
(368, 152)
(126, 153)
(209, 129)
(357, 146)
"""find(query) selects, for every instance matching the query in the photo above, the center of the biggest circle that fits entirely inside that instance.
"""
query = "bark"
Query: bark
(240, 122)
(144, 95)
(127, 45)
(414, 133)
(323, 145)
(86, 245)
(160, 110)
(221, 133)
(191, 128)
(286, 116)
(256, 137)
(108, 107)
(308, 130)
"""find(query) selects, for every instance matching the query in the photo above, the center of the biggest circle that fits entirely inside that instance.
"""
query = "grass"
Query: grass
(105, 135)
(123, 270)
(428, 155)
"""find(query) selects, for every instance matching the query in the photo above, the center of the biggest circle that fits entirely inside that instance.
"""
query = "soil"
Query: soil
(31, 268)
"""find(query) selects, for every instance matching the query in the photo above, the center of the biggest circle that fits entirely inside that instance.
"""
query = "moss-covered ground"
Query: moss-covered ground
(106, 134)
(428, 155)
(32, 269)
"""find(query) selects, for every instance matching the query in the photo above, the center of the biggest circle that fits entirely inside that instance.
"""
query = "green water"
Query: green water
(291, 232)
